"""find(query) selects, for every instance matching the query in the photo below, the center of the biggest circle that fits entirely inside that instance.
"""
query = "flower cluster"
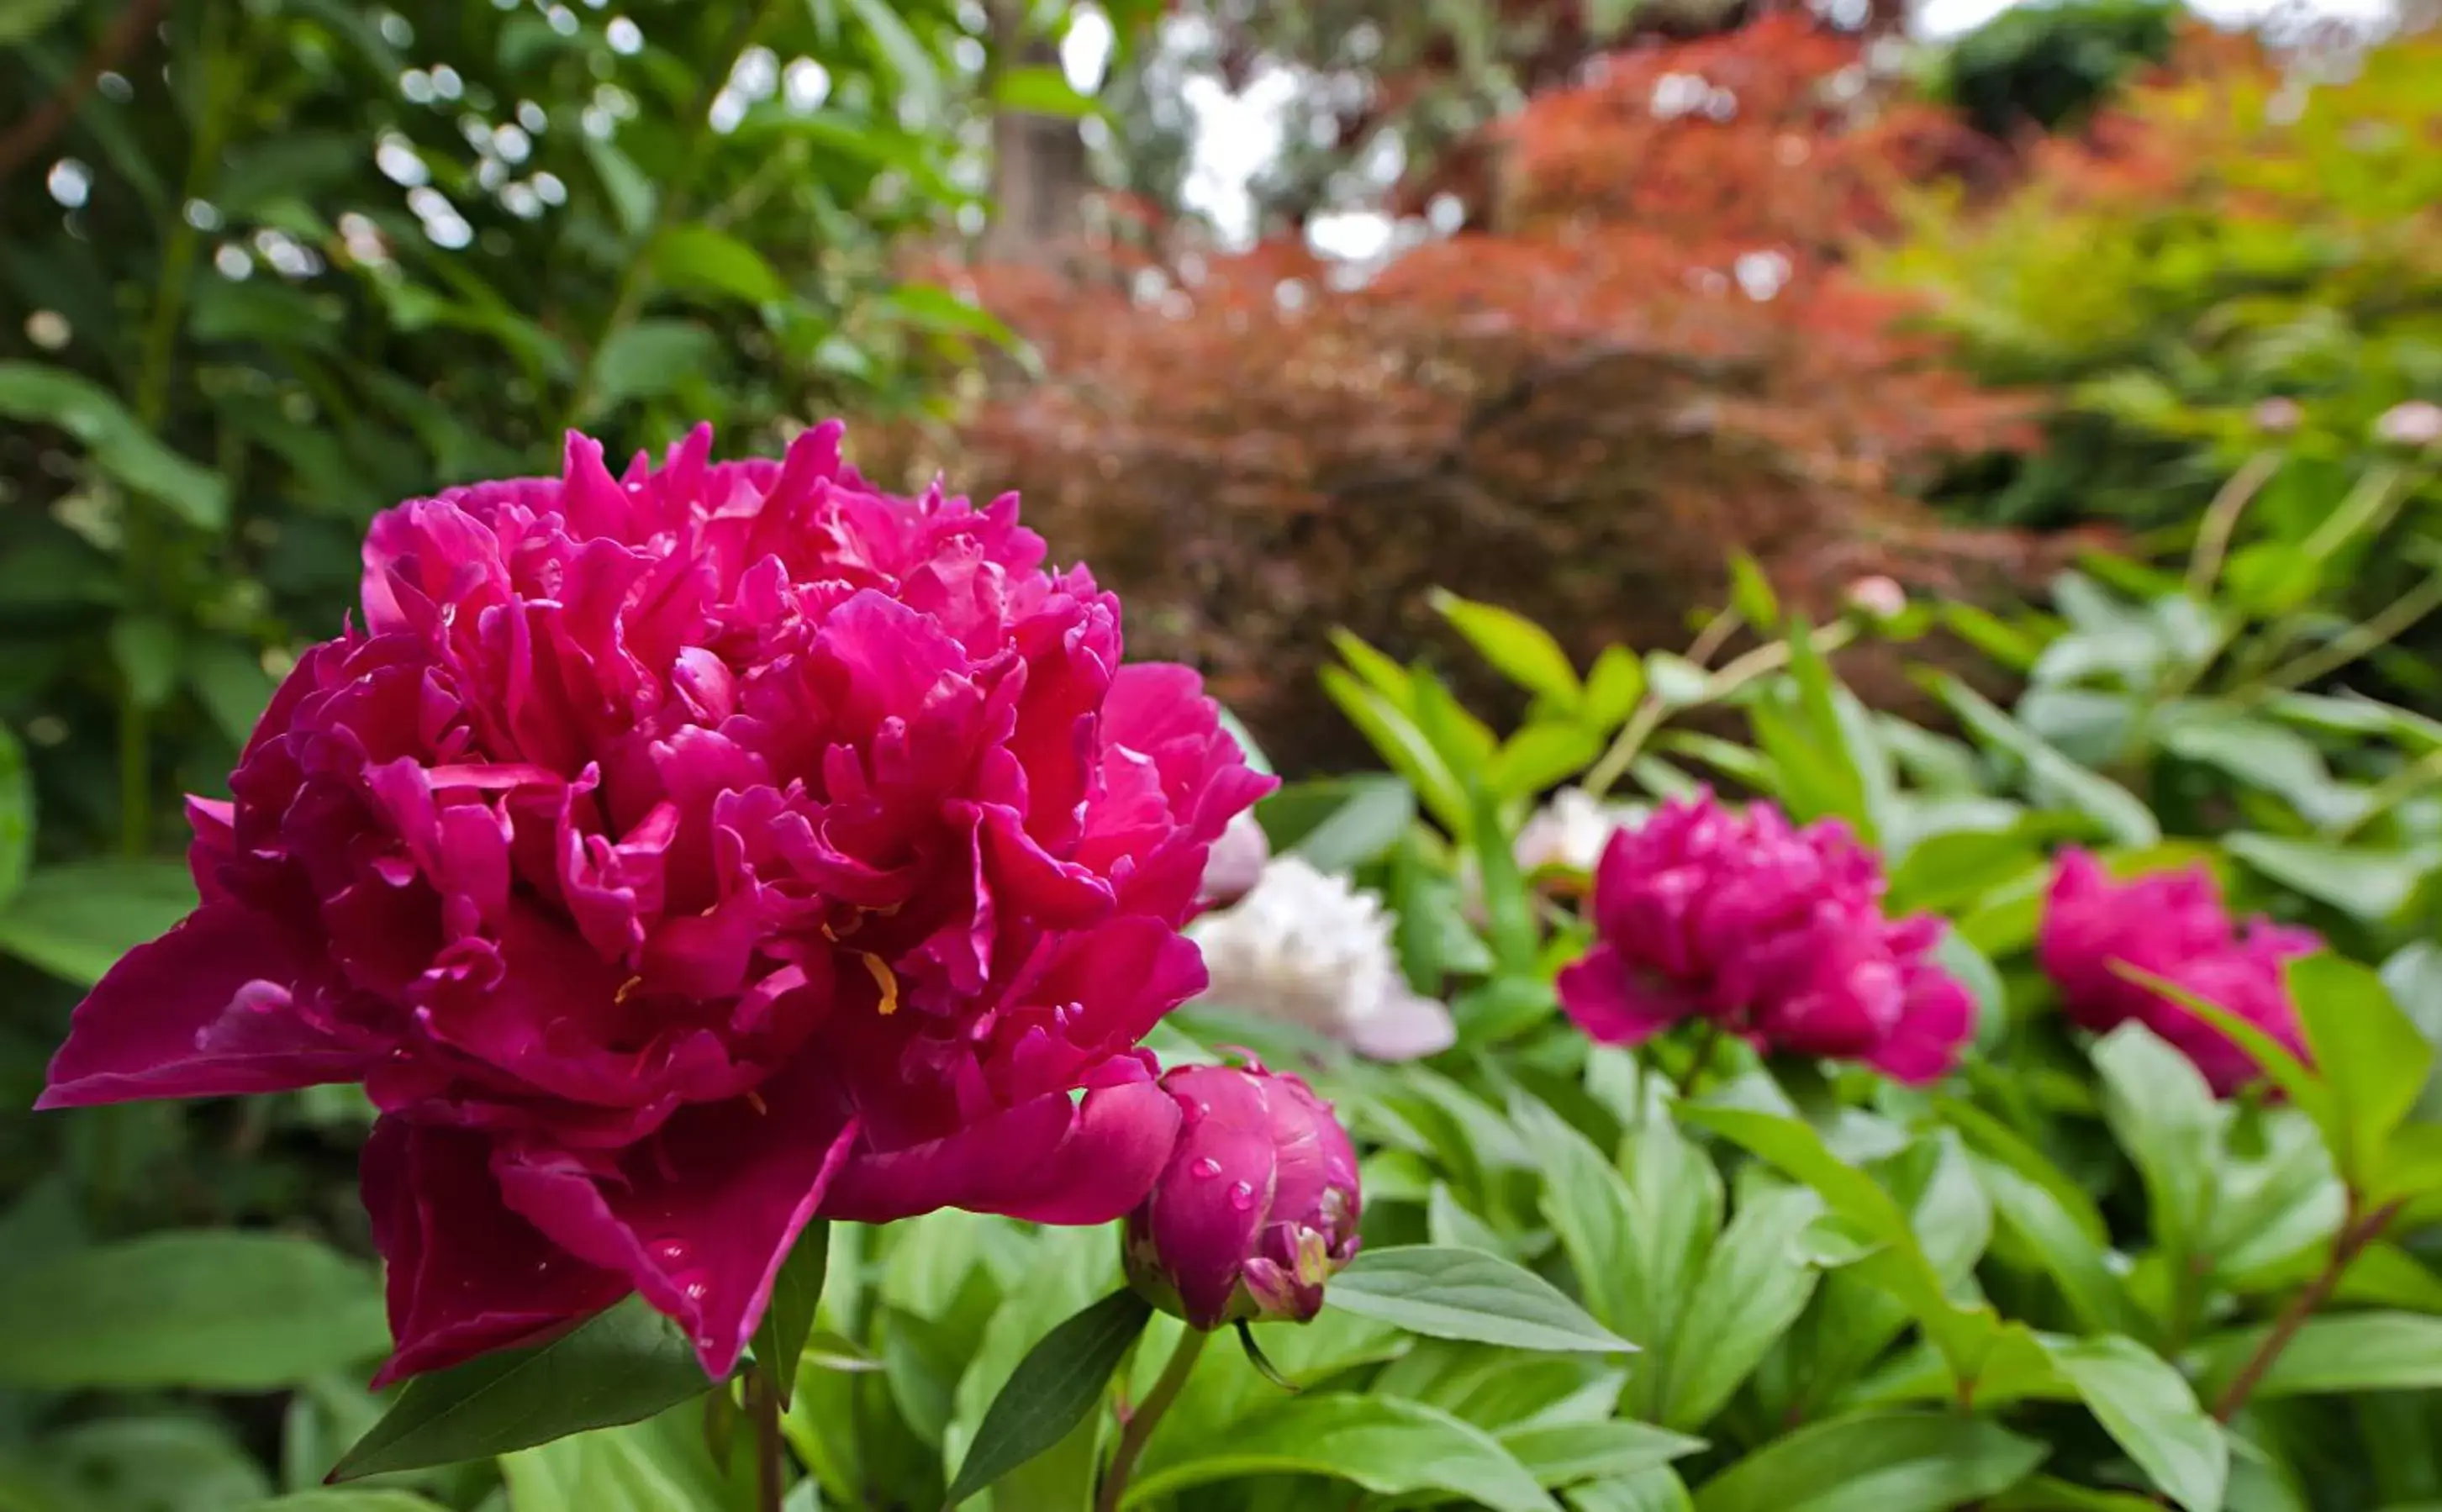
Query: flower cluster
(2170, 925)
(680, 855)
(1309, 949)
(1258, 1205)
(1774, 933)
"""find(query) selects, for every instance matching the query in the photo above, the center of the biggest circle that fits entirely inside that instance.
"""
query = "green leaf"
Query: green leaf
(1751, 594)
(1612, 688)
(1559, 1454)
(2150, 1411)
(631, 193)
(1359, 818)
(1876, 1462)
(232, 685)
(1401, 745)
(2333, 1355)
(75, 921)
(2075, 1259)
(1655, 1490)
(796, 1292)
(2370, 1053)
(1675, 682)
(329, 1500)
(1950, 871)
(1445, 1293)
(1053, 1390)
(1508, 906)
(16, 819)
(1755, 1284)
(918, 72)
(2052, 775)
(23, 19)
(649, 359)
(211, 1310)
(1518, 649)
(1041, 90)
(698, 258)
(146, 649)
(1540, 755)
(1595, 1216)
(115, 440)
(622, 1365)
(2371, 884)
(658, 1466)
(2164, 1114)
(1387, 1446)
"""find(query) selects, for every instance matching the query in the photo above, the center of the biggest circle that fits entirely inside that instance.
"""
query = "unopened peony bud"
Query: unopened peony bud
(2416, 424)
(1257, 1208)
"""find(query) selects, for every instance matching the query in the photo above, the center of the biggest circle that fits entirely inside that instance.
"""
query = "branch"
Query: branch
(32, 135)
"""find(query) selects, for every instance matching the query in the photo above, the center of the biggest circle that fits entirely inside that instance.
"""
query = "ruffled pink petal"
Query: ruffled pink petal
(1049, 1160)
(467, 1276)
(1604, 997)
(700, 1216)
(204, 1010)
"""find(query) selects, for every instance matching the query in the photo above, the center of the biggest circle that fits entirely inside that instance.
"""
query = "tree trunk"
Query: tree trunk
(1040, 178)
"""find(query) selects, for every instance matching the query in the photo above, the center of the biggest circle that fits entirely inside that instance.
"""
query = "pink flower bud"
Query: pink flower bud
(1235, 862)
(2278, 416)
(1258, 1205)
(1877, 597)
(2416, 424)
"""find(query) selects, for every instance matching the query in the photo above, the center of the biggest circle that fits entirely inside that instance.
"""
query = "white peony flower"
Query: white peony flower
(1570, 831)
(1309, 949)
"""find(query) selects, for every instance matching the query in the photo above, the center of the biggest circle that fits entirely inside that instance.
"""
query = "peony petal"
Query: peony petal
(1602, 995)
(1204, 1218)
(1404, 1028)
(1049, 1160)
(467, 1276)
(203, 1012)
(700, 1216)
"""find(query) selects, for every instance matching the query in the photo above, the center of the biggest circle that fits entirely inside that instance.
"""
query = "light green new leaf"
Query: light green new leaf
(1518, 649)
(1876, 1462)
(2369, 1052)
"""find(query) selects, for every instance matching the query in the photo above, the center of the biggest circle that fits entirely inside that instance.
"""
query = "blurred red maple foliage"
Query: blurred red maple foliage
(1650, 355)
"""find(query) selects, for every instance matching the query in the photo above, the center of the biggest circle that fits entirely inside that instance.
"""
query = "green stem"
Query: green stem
(157, 362)
(2221, 521)
(770, 1459)
(1706, 1038)
(1148, 1413)
(635, 277)
(1770, 657)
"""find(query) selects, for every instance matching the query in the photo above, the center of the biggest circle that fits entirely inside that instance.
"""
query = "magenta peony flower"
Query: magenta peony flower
(1776, 934)
(2170, 924)
(678, 857)
(1257, 1208)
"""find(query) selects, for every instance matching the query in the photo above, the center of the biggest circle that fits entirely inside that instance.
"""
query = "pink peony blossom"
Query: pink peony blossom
(2170, 924)
(1777, 934)
(680, 856)
(1258, 1205)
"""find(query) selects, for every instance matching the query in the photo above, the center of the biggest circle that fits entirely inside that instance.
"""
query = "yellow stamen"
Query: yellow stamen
(885, 979)
(754, 1100)
(628, 988)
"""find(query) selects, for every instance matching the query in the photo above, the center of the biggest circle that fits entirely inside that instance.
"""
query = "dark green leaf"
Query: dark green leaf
(23, 19)
(649, 359)
(146, 649)
(708, 260)
(1559, 1454)
(1053, 1390)
(16, 818)
(1470, 1295)
(2164, 1116)
(619, 1366)
(2372, 884)
(1362, 817)
(1041, 90)
(780, 1339)
(1755, 1284)
(624, 183)
(215, 1310)
(1876, 1462)
(2365, 1048)
(2052, 775)
(117, 441)
(335, 1499)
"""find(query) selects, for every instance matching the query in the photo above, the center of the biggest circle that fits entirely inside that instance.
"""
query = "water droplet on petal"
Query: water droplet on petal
(1206, 1169)
(695, 1290)
(1242, 1195)
(670, 1251)
(1193, 1113)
